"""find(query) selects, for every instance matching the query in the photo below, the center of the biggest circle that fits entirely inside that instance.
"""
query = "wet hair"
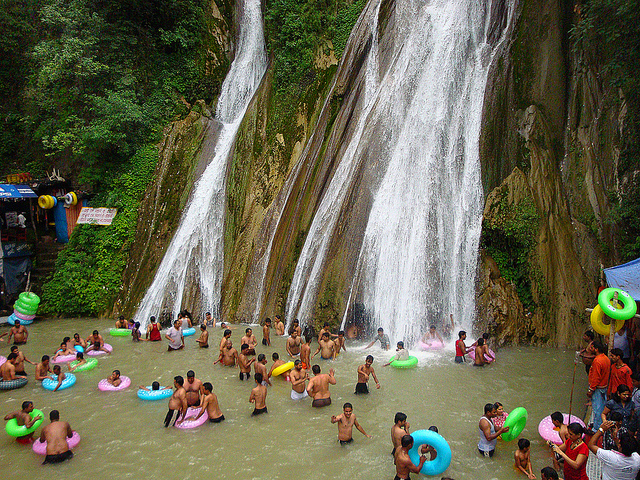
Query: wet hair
(79, 355)
(258, 377)
(121, 317)
(179, 380)
(589, 334)
(65, 344)
(296, 322)
(247, 330)
(380, 329)
(628, 444)
(615, 416)
(480, 341)
(56, 368)
(401, 344)
(617, 352)
(315, 369)
(176, 321)
(432, 327)
(558, 417)
(26, 404)
(325, 334)
(576, 428)
(267, 320)
(54, 415)
(95, 332)
(400, 417)
(347, 405)
(308, 338)
(523, 443)
(227, 332)
(14, 348)
(117, 372)
(155, 386)
(597, 344)
(208, 313)
(207, 386)
(485, 335)
(369, 357)
(461, 333)
(44, 358)
(17, 322)
(275, 356)
(244, 346)
(203, 326)
(12, 355)
(261, 357)
(550, 473)
(406, 440)
(152, 319)
(433, 428)
(488, 407)
(621, 389)
(191, 374)
(66, 339)
(76, 335)
(297, 362)
(341, 332)
(137, 324)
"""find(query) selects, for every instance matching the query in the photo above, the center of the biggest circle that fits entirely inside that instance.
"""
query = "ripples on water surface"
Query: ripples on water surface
(123, 435)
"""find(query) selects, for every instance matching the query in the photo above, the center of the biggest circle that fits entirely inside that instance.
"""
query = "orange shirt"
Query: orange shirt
(599, 372)
(620, 376)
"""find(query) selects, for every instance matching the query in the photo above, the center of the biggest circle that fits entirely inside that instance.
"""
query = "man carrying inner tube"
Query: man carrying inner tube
(488, 433)
(23, 418)
(404, 465)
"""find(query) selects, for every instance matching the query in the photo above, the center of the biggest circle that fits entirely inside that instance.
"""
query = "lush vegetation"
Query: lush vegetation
(607, 33)
(89, 86)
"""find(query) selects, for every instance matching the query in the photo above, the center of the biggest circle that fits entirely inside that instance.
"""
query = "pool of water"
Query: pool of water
(125, 436)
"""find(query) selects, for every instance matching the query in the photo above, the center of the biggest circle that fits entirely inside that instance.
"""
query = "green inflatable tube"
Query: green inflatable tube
(628, 309)
(120, 332)
(29, 299)
(90, 364)
(16, 430)
(22, 308)
(409, 363)
(516, 421)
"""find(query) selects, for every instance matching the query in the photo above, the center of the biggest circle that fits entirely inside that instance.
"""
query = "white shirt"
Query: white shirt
(616, 466)
(176, 337)
(402, 355)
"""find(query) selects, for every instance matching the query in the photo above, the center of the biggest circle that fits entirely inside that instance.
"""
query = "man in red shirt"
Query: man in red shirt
(620, 372)
(598, 381)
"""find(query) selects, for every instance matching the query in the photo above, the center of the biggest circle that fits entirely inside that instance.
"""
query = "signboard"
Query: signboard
(13, 249)
(97, 216)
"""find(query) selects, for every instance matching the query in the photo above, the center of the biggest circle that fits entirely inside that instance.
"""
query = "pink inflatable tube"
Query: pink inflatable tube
(190, 422)
(491, 356)
(95, 353)
(2, 359)
(105, 386)
(64, 359)
(434, 345)
(22, 316)
(548, 432)
(41, 447)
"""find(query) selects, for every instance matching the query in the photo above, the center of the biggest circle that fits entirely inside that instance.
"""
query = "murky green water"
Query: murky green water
(124, 436)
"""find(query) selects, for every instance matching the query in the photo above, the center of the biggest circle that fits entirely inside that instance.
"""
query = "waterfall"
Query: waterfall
(195, 253)
(418, 258)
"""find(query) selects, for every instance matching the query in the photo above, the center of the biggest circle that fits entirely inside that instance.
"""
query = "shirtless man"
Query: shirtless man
(114, 379)
(95, 337)
(64, 351)
(481, 350)
(327, 348)
(293, 344)
(431, 336)
(298, 378)
(203, 339)
(77, 341)
(80, 359)
(364, 371)
(296, 328)
(326, 329)
(43, 369)
(259, 397)
(228, 356)
(8, 368)
(400, 429)
(60, 376)
(279, 326)
(250, 339)
(266, 341)
(20, 334)
(193, 389)
(21, 360)
(318, 387)
(305, 352)
(276, 362)
(404, 465)
(121, 322)
(209, 403)
(339, 342)
(244, 363)
(346, 421)
(23, 418)
(177, 402)
(558, 424)
(56, 434)
(225, 336)
(97, 347)
(260, 367)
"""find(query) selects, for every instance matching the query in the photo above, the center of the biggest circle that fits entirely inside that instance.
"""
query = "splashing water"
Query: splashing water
(195, 254)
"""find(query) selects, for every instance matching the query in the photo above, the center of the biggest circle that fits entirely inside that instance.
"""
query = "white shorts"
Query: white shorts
(298, 396)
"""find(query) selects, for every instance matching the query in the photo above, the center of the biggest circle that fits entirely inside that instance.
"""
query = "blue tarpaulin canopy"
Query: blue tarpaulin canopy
(625, 277)
(16, 192)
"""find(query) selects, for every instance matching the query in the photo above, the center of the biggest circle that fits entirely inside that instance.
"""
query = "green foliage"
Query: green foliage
(88, 272)
(510, 238)
(608, 34)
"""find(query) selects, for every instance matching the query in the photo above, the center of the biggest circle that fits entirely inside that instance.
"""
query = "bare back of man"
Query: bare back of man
(56, 434)
(318, 387)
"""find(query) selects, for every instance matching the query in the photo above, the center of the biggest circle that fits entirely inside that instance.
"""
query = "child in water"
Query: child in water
(522, 458)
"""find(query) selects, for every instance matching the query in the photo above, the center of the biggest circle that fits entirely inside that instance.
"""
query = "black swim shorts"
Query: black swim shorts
(59, 457)
(345, 442)
(361, 388)
(258, 411)
(245, 376)
(217, 420)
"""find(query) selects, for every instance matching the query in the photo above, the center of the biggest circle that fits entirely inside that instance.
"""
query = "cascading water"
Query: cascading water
(196, 250)
(418, 259)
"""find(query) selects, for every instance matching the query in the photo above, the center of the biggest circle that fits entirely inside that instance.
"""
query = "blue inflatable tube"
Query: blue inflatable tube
(69, 381)
(437, 441)
(188, 331)
(12, 320)
(79, 348)
(154, 394)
